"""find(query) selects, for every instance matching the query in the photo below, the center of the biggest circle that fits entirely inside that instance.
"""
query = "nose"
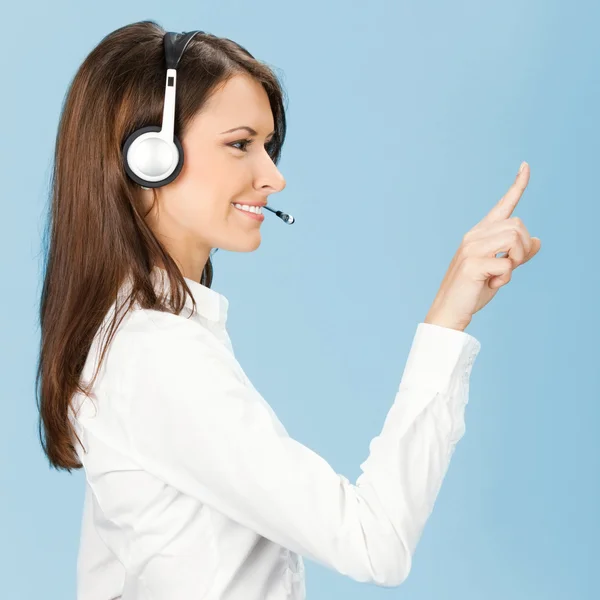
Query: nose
(281, 182)
(272, 180)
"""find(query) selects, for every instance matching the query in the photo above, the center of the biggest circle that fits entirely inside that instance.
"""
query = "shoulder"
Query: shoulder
(170, 343)
(164, 355)
(162, 332)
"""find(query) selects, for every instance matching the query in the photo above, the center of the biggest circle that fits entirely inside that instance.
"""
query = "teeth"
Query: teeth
(254, 209)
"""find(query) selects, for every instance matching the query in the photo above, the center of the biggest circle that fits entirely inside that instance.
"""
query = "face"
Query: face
(195, 213)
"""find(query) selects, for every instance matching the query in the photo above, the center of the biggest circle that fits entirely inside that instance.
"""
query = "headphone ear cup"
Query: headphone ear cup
(140, 180)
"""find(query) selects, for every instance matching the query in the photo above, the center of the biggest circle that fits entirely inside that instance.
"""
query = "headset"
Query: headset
(153, 155)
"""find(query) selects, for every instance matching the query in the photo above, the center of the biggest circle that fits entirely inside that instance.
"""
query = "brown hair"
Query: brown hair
(97, 232)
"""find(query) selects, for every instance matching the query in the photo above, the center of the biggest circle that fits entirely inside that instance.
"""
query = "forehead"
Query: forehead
(240, 101)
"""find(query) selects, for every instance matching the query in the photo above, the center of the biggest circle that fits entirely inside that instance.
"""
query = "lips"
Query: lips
(255, 216)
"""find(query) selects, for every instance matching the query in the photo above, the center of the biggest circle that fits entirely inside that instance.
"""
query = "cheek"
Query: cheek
(205, 190)
(202, 208)
(194, 209)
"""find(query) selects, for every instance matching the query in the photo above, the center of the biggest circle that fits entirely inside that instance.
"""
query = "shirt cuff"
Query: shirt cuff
(438, 356)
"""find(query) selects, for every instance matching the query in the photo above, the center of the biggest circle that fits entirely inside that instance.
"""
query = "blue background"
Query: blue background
(407, 123)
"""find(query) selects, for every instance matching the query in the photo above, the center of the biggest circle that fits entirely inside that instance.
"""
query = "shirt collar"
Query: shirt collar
(209, 303)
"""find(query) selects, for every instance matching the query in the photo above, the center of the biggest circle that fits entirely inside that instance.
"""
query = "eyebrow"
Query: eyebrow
(248, 129)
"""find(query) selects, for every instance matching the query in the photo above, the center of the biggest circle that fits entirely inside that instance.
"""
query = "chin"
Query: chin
(247, 243)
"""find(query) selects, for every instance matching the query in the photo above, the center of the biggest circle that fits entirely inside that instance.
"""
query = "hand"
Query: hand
(475, 273)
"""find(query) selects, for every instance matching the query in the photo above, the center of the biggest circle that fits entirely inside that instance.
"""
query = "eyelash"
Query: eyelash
(247, 142)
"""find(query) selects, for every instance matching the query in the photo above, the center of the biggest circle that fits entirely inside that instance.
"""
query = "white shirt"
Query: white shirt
(194, 489)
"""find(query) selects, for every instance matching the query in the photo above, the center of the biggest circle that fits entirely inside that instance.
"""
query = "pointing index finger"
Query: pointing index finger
(507, 204)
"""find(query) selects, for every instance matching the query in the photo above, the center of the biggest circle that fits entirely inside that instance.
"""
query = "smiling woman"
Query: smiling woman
(193, 487)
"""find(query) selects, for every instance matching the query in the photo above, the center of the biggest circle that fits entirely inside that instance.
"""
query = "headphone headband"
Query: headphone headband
(175, 45)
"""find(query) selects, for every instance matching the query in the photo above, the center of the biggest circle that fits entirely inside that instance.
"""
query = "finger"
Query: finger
(499, 280)
(507, 204)
(508, 241)
(485, 268)
(536, 244)
(516, 223)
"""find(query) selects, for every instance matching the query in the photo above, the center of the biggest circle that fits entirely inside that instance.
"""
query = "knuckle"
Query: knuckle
(521, 228)
(517, 221)
(515, 236)
(464, 249)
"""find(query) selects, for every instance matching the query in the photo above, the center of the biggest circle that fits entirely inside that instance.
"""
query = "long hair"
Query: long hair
(96, 228)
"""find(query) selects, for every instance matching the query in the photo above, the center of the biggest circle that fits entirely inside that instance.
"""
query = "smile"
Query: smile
(254, 212)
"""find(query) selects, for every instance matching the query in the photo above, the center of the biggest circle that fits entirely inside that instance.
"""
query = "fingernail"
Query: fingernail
(522, 166)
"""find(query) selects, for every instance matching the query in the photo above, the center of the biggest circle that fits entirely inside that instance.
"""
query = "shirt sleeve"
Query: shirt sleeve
(198, 424)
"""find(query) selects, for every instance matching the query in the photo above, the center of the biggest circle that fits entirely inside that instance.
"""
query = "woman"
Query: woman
(193, 487)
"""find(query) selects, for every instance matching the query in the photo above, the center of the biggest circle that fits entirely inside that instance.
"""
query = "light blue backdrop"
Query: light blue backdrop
(407, 122)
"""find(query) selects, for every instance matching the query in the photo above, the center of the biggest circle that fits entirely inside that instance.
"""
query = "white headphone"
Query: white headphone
(153, 155)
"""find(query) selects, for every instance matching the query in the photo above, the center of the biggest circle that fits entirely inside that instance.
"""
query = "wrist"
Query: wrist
(444, 321)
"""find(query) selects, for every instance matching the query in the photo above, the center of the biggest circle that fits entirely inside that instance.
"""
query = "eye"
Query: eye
(246, 143)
